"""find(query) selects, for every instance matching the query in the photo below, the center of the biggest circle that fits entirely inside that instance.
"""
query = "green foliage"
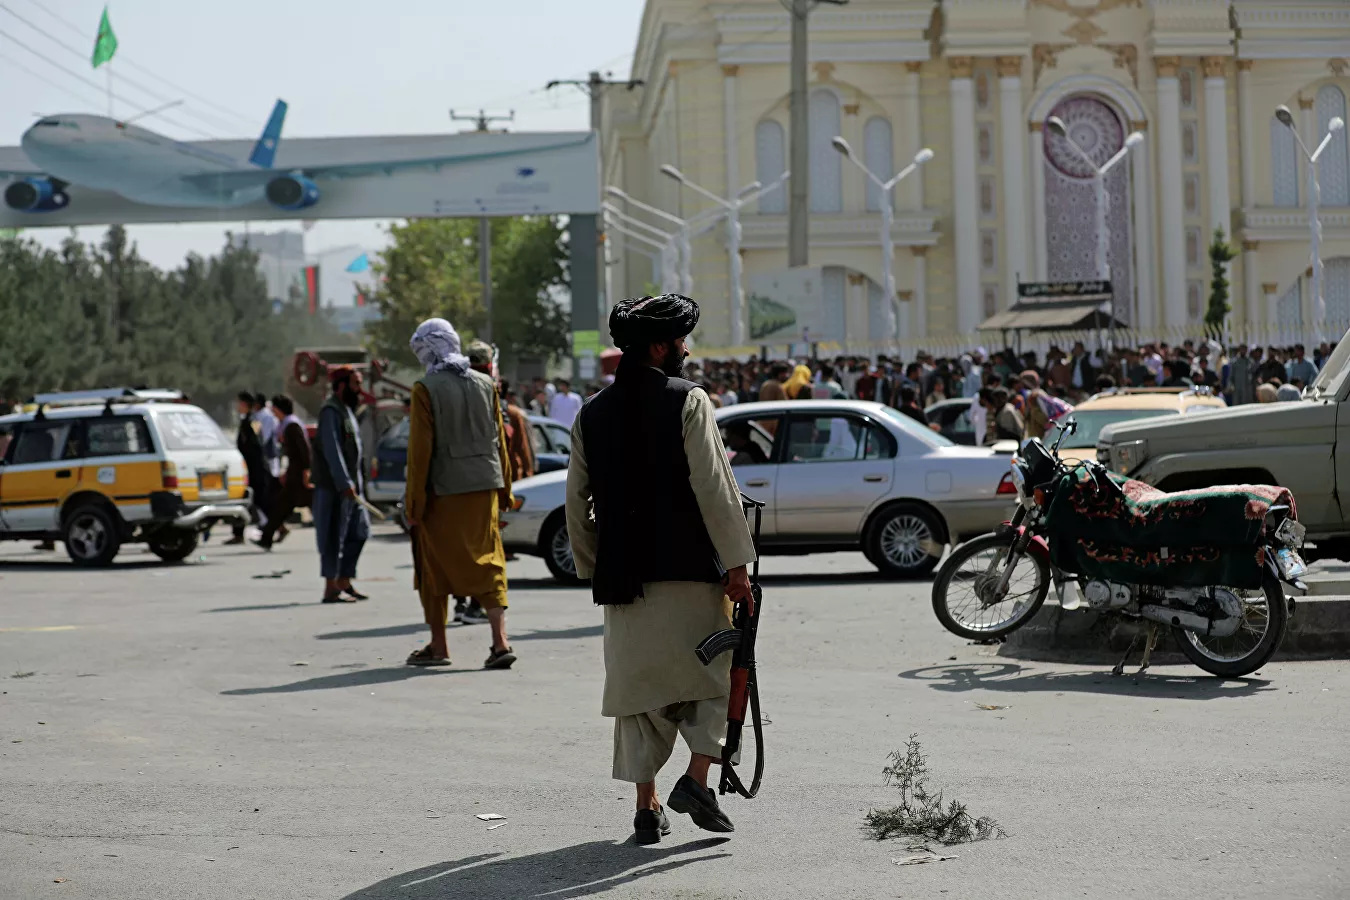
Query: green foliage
(101, 316)
(1220, 254)
(921, 813)
(431, 269)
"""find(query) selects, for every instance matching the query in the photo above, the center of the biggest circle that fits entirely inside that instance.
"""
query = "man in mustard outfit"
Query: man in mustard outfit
(458, 477)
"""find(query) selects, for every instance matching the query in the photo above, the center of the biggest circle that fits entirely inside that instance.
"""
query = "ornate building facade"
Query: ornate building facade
(1003, 200)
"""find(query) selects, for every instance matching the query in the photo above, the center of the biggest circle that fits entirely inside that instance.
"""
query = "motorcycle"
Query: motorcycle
(1128, 550)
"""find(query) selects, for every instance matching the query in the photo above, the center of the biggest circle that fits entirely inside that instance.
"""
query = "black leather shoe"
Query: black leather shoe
(649, 826)
(700, 804)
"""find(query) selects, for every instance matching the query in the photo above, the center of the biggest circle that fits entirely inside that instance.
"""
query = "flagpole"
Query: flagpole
(108, 65)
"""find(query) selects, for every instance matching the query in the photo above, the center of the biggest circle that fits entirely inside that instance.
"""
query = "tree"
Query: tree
(102, 316)
(431, 269)
(1220, 254)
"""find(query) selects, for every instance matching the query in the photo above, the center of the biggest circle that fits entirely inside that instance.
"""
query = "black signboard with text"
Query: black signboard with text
(1062, 290)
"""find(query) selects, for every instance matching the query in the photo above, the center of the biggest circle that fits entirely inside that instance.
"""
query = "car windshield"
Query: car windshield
(1329, 381)
(396, 438)
(1092, 421)
(913, 428)
(191, 429)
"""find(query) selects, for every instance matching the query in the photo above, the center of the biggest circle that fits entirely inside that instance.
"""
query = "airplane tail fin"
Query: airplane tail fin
(266, 149)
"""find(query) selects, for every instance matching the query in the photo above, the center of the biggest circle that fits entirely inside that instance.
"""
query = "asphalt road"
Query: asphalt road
(195, 731)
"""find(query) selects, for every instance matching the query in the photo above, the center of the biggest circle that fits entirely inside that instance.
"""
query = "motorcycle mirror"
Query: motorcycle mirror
(1073, 425)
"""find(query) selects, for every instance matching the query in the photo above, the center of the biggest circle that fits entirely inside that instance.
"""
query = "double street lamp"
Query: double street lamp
(667, 253)
(1314, 221)
(685, 229)
(732, 209)
(887, 220)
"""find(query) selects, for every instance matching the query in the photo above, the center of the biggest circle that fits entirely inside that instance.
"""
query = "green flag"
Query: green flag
(105, 45)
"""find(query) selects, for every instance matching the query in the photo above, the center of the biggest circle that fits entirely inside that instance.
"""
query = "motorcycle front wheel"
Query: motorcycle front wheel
(963, 591)
(1265, 614)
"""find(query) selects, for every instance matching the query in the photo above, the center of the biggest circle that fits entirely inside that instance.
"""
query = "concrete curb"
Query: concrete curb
(1320, 629)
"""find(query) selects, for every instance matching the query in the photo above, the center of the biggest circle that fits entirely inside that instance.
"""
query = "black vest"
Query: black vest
(647, 518)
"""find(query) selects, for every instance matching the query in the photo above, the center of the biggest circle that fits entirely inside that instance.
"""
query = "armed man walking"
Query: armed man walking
(656, 523)
(459, 477)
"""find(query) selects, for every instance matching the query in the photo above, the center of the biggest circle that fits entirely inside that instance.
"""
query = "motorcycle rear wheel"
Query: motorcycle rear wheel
(966, 573)
(1258, 637)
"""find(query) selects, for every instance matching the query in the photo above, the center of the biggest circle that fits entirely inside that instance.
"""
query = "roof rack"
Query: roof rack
(106, 396)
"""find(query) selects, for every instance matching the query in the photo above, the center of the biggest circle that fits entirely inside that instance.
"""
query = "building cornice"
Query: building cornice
(826, 52)
(769, 232)
(1276, 225)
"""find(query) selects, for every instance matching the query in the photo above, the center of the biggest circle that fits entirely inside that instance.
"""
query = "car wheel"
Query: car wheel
(92, 535)
(172, 544)
(556, 549)
(905, 541)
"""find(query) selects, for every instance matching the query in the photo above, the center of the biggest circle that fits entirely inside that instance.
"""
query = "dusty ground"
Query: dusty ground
(158, 738)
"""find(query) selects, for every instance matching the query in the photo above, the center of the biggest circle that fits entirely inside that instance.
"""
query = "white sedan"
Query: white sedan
(836, 475)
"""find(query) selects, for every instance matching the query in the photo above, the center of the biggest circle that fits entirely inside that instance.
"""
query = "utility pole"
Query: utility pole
(586, 234)
(483, 122)
(799, 152)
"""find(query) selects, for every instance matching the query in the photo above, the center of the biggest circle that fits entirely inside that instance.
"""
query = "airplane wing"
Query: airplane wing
(16, 173)
(240, 179)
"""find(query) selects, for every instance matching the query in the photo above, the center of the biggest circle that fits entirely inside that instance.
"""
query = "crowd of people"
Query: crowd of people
(1005, 382)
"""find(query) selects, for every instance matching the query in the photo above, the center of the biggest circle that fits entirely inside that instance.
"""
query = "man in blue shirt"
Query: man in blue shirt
(1300, 367)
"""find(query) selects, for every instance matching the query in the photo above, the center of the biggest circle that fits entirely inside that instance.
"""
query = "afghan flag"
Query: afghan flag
(105, 45)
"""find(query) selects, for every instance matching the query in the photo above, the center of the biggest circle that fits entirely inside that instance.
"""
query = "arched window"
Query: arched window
(1333, 166)
(770, 163)
(1336, 292)
(827, 195)
(1283, 164)
(878, 156)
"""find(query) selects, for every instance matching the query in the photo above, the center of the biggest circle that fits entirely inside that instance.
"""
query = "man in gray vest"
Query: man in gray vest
(458, 477)
(341, 524)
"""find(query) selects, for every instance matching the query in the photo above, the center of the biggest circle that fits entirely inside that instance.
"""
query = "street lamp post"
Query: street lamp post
(1314, 219)
(1134, 139)
(887, 220)
(681, 236)
(670, 276)
(748, 194)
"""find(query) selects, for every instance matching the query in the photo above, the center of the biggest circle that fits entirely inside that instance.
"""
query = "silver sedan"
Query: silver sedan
(836, 475)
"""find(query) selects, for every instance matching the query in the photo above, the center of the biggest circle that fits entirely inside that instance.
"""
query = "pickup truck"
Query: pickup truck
(1303, 445)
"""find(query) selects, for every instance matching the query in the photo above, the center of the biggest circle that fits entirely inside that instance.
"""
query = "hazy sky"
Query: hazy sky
(345, 67)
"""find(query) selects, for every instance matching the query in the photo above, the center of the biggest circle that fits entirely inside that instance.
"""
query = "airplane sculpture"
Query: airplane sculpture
(141, 165)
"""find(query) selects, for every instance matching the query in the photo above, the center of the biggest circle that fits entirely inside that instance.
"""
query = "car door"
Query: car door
(119, 461)
(836, 467)
(752, 449)
(39, 474)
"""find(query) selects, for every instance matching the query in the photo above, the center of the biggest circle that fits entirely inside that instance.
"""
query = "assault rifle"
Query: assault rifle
(740, 640)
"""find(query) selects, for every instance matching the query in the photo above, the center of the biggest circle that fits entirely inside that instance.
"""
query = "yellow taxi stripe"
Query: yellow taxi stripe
(44, 628)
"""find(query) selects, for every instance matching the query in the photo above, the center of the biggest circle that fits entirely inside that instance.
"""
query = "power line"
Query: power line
(211, 121)
(43, 78)
(150, 73)
(77, 76)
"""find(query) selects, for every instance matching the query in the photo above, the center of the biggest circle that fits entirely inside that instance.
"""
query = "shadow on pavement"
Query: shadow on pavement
(385, 631)
(1013, 678)
(63, 564)
(578, 871)
(259, 607)
(562, 634)
(355, 678)
(830, 579)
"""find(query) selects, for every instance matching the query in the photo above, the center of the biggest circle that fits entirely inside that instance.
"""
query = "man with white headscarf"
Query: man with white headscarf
(458, 479)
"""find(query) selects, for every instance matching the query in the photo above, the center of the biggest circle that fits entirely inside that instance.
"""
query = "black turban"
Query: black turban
(640, 321)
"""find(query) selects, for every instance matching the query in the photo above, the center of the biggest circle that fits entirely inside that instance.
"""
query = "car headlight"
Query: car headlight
(1128, 456)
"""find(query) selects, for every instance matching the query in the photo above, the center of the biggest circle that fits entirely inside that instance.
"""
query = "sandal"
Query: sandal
(337, 598)
(354, 593)
(426, 657)
(500, 659)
